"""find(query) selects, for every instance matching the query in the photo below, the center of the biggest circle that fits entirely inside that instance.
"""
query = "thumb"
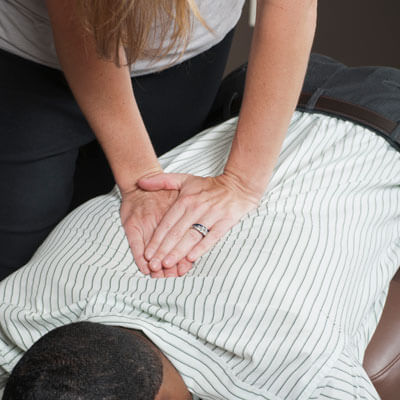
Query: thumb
(162, 182)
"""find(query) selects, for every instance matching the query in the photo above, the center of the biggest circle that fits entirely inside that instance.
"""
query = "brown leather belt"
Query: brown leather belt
(354, 112)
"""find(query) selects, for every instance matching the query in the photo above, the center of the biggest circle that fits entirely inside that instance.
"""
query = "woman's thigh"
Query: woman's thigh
(35, 196)
(41, 132)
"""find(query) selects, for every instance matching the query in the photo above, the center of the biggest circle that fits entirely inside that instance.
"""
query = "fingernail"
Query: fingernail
(149, 253)
(169, 261)
(145, 270)
(155, 264)
(190, 258)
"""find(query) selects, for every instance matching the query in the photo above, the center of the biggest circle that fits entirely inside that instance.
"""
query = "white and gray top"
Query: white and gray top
(25, 30)
(282, 307)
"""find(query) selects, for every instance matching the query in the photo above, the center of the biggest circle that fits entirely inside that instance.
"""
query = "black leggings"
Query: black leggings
(43, 169)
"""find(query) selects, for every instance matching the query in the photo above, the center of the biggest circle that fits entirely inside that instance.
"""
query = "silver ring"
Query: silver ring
(200, 228)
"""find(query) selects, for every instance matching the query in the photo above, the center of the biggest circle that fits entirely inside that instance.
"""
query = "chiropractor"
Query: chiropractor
(157, 213)
(158, 209)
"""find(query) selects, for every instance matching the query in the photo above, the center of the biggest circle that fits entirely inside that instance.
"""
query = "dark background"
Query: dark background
(355, 32)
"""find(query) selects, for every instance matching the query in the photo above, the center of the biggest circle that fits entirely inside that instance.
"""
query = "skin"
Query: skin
(172, 385)
(158, 209)
(281, 45)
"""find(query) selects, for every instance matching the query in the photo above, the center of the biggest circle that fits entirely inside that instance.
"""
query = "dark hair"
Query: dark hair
(87, 361)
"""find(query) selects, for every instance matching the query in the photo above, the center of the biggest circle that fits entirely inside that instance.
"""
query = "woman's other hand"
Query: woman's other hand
(218, 203)
(141, 213)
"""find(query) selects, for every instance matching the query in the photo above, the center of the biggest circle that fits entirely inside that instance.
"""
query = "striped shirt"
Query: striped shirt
(281, 308)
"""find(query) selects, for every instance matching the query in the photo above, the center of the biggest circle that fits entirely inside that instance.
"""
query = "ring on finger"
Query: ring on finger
(200, 228)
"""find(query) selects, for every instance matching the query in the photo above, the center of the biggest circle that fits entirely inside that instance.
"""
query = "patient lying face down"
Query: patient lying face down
(282, 307)
(87, 361)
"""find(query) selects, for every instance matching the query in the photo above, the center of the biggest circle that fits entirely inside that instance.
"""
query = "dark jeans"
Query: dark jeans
(43, 130)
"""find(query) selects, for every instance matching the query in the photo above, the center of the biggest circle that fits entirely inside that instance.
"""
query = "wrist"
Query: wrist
(253, 190)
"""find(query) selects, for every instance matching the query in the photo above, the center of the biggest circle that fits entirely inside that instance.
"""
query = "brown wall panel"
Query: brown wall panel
(356, 32)
(359, 32)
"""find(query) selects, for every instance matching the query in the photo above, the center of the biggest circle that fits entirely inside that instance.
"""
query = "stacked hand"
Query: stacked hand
(158, 218)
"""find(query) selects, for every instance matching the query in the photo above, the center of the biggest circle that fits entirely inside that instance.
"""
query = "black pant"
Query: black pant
(43, 130)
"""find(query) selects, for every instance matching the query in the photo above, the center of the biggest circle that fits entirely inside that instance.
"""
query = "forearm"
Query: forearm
(104, 94)
(280, 50)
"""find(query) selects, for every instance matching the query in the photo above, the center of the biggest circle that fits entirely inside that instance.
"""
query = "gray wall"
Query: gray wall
(356, 32)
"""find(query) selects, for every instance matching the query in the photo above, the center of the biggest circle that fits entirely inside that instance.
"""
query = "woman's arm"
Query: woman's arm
(280, 51)
(279, 55)
(105, 96)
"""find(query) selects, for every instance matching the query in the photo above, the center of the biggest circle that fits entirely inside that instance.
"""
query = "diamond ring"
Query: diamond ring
(200, 228)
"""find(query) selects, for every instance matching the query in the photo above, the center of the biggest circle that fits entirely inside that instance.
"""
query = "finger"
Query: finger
(189, 240)
(162, 182)
(138, 231)
(171, 272)
(136, 243)
(157, 274)
(179, 240)
(172, 216)
(184, 266)
(148, 228)
(217, 231)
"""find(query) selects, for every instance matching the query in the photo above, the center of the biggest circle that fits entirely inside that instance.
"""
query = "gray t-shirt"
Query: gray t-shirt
(25, 30)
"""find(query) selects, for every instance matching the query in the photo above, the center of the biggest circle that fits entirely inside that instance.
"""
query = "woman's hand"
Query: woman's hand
(218, 203)
(141, 213)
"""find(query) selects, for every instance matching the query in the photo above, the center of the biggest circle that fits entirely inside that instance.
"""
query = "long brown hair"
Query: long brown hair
(135, 25)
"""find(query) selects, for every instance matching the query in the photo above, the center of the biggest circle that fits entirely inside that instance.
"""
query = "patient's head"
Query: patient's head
(88, 361)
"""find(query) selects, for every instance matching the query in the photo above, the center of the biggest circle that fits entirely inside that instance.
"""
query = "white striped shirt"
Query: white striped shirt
(281, 308)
